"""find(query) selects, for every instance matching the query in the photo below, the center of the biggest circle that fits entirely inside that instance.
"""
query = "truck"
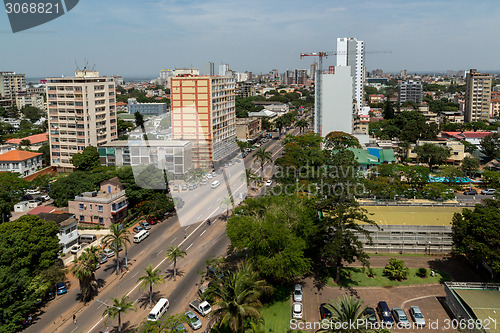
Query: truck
(202, 307)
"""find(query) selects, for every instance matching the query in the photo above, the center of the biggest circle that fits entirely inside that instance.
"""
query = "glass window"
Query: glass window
(99, 208)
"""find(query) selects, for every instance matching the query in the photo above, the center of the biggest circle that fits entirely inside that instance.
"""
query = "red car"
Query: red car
(152, 220)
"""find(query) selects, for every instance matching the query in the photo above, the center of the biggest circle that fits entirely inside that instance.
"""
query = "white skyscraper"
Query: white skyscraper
(351, 52)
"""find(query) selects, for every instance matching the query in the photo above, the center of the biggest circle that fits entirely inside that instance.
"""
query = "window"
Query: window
(90, 206)
(81, 206)
(82, 218)
(101, 220)
(99, 208)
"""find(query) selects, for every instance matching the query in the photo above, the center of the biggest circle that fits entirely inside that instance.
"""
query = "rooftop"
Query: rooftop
(17, 156)
(148, 143)
(34, 139)
(62, 219)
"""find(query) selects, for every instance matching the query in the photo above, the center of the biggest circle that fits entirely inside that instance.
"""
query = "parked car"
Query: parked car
(470, 192)
(61, 288)
(151, 221)
(112, 247)
(103, 258)
(385, 313)
(297, 293)
(145, 225)
(203, 182)
(209, 176)
(45, 197)
(75, 248)
(202, 307)
(269, 182)
(371, 316)
(176, 187)
(400, 317)
(179, 203)
(138, 229)
(297, 310)
(27, 197)
(324, 312)
(184, 187)
(108, 252)
(489, 191)
(417, 316)
(33, 192)
(193, 320)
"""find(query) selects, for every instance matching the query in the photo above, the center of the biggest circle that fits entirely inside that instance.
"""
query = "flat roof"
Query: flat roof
(412, 215)
(144, 143)
(484, 303)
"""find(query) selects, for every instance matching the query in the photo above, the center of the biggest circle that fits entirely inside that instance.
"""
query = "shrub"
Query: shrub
(396, 270)
(370, 273)
(422, 272)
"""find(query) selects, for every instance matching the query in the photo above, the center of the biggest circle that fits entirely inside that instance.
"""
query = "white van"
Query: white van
(215, 184)
(87, 238)
(159, 309)
(140, 236)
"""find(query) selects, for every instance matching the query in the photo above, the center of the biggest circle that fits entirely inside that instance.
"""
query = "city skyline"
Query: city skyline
(139, 39)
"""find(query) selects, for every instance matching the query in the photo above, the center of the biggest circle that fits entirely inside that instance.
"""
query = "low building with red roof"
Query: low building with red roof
(20, 161)
(36, 140)
(469, 136)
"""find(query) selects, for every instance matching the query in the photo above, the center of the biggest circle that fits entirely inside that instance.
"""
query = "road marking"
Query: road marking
(210, 207)
(173, 240)
(189, 246)
(159, 253)
(416, 299)
(187, 227)
(161, 262)
(198, 218)
(74, 329)
(135, 274)
(142, 252)
(203, 232)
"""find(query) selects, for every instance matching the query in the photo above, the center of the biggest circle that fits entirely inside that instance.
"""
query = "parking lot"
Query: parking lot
(427, 297)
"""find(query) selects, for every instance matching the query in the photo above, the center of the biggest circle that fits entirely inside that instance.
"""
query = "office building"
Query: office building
(223, 69)
(203, 112)
(477, 96)
(82, 112)
(336, 102)
(146, 109)
(312, 70)
(10, 84)
(351, 52)
(410, 91)
(208, 69)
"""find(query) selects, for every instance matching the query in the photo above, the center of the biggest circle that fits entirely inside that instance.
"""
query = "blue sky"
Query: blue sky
(139, 38)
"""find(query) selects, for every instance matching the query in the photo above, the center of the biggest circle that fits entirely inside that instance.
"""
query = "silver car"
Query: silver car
(297, 293)
(400, 317)
(417, 316)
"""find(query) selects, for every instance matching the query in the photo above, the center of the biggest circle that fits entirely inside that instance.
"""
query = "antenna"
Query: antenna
(76, 66)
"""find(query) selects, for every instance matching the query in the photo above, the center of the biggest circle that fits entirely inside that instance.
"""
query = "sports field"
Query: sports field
(408, 215)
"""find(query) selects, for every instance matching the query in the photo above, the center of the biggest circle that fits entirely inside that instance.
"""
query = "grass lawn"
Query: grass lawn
(360, 279)
(277, 316)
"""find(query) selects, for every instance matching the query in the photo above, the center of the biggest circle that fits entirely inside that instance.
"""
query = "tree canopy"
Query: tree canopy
(432, 154)
(86, 160)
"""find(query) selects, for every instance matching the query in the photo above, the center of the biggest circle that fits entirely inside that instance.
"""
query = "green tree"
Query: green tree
(86, 160)
(396, 270)
(432, 154)
(263, 156)
(334, 140)
(119, 306)
(152, 277)
(347, 310)
(451, 174)
(492, 178)
(388, 110)
(280, 123)
(490, 146)
(174, 254)
(3, 112)
(12, 187)
(32, 113)
(228, 203)
(84, 270)
(168, 324)
(118, 237)
(25, 143)
(45, 150)
(476, 234)
(469, 147)
(139, 120)
(302, 124)
(469, 165)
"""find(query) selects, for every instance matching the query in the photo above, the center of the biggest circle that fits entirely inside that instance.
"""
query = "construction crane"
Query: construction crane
(319, 71)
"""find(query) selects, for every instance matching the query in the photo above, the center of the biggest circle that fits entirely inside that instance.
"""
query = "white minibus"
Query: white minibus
(159, 309)
(140, 236)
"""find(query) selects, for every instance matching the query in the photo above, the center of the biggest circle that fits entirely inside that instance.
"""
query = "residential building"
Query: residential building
(121, 107)
(270, 115)
(336, 102)
(23, 162)
(14, 122)
(312, 71)
(10, 84)
(82, 112)
(469, 136)
(36, 140)
(248, 129)
(104, 207)
(247, 89)
(361, 124)
(370, 157)
(24, 99)
(173, 156)
(477, 96)
(208, 69)
(68, 228)
(495, 106)
(410, 91)
(223, 69)
(351, 52)
(5, 147)
(374, 98)
(295, 77)
(457, 149)
(146, 109)
(203, 112)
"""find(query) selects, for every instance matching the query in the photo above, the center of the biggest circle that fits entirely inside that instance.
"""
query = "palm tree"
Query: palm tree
(152, 277)
(119, 238)
(119, 306)
(280, 123)
(228, 203)
(249, 177)
(238, 297)
(84, 270)
(263, 156)
(346, 310)
(173, 254)
(302, 124)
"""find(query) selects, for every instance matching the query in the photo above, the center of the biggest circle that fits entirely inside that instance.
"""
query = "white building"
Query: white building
(23, 162)
(351, 52)
(223, 69)
(336, 102)
(68, 231)
(36, 100)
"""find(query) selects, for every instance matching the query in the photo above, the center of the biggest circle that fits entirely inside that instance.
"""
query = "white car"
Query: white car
(297, 310)
(209, 176)
(269, 182)
(108, 252)
(75, 248)
(33, 192)
(297, 293)
(45, 197)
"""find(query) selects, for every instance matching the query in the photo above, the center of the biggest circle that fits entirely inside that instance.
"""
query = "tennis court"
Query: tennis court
(412, 215)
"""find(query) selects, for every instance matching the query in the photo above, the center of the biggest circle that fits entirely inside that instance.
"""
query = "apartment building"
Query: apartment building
(457, 149)
(104, 207)
(82, 112)
(68, 228)
(351, 52)
(410, 91)
(24, 99)
(477, 96)
(146, 109)
(203, 112)
(248, 129)
(23, 162)
(495, 105)
(10, 84)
